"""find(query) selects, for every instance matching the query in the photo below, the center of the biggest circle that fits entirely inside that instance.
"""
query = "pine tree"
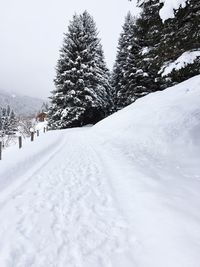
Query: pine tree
(153, 46)
(1, 123)
(13, 123)
(132, 72)
(82, 93)
(149, 29)
(118, 76)
(5, 121)
(8, 122)
(136, 68)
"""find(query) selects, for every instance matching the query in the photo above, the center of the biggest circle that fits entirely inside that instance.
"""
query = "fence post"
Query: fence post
(38, 133)
(0, 150)
(20, 142)
(32, 136)
(44, 130)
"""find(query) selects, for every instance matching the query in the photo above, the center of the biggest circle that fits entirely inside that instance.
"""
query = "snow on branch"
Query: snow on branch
(169, 6)
(185, 59)
(167, 11)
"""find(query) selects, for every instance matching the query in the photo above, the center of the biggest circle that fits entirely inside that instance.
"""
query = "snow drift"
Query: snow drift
(160, 123)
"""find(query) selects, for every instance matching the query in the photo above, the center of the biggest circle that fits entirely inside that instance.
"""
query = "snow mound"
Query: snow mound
(159, 122)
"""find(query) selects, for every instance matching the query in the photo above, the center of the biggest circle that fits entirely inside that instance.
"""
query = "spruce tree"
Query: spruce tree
(149, 28)
(133, 74)
(1, 123)
(13, 123)
(8, 122)
(83, 93)
(153, 46)
(118, 75)
(5, 121)
(136, 67)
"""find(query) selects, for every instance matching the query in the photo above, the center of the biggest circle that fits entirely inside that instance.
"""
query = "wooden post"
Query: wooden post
(32, 136)
(38, 133)
(44, 130)
(20, 142)
(0, 150)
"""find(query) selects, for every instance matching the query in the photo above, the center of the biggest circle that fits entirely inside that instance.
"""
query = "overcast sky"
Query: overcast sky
(31, 34)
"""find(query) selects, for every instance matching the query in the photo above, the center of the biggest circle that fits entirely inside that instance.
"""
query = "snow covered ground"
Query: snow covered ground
(123, 193)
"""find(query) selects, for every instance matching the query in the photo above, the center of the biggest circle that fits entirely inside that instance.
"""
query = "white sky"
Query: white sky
(31, 33)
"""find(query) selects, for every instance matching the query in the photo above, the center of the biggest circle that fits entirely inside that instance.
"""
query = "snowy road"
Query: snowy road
(63, 214)
(124, 193)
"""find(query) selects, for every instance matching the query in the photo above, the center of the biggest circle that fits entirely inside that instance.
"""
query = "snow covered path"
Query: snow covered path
(64, 215)
(124, 193)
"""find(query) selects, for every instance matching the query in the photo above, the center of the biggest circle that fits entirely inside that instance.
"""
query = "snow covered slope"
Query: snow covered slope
(160, 123)
(123, 193)
(156, 146)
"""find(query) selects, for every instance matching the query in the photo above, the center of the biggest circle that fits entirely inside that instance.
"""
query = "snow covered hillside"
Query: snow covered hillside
(162, 123)
(157, 179)
(123, 193)
(22, 105)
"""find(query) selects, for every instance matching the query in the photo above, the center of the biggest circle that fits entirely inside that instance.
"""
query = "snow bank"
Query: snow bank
(159, 121)
(154, 149)
(185, 59)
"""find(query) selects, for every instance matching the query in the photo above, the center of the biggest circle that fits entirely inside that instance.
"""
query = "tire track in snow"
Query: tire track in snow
(21, 173)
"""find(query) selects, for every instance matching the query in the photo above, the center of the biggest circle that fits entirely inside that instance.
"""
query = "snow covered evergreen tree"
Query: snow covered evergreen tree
(118, 76)
(13, 123)
(1, 122)
(8, 122)
(161, 53)
(148, 33)
(136, 67)
(83, 92)
(4, 121)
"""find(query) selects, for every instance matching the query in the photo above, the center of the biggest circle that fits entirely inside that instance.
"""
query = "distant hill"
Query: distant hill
(22, 105)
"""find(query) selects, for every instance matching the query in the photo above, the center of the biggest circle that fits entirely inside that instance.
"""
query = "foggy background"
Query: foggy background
(31, 34)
